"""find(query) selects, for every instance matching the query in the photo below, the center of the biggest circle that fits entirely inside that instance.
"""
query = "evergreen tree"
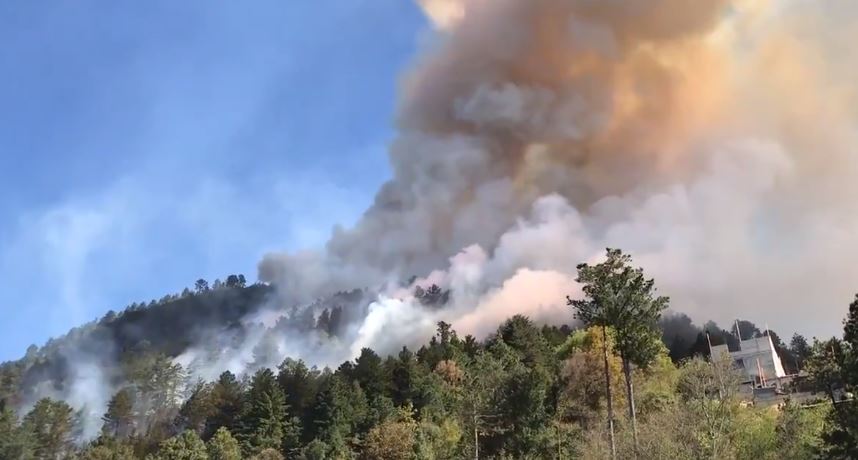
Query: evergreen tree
(525, 388)
(834, 366)
(850, 337)
(341, 409)
(14, 443)
(800, 349)
(223, 446)
(826, 367)
(196, 409)
(119, 418)
(108, 448)
(403, 377)
(186, 446)
(264, 422)
(49, 425)
(300, 384)
(227, 400)
(268, 454)
(369, 373)
(315, 450)
(620, 297)
(160, 381)
(201, 285)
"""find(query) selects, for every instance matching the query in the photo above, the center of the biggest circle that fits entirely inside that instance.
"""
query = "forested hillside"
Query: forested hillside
(525, 391)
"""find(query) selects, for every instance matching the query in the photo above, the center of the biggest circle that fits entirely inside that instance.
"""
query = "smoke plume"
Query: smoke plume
(714, 140)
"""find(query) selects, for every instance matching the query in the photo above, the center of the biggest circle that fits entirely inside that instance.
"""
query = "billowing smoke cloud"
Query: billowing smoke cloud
(715, 140)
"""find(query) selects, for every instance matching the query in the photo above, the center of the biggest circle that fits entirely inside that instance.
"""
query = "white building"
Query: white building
(757, 358)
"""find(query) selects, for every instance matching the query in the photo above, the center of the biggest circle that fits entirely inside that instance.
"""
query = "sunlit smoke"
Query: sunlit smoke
(702, 137)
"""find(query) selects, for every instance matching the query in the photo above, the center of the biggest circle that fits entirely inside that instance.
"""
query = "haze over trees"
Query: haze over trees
(525, 391)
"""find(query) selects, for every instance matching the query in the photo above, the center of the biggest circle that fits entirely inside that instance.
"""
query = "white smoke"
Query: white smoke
(701, 137)
(86, 389)
(714, 140)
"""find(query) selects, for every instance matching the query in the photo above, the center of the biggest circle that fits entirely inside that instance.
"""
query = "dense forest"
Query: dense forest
(628, 379)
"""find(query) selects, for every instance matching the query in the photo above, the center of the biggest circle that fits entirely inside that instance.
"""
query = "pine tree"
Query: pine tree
(227, 400)
(49, 424)
(834, 364)
(107, 448)
(196, 409)
(340, 410)
(264, 422)
(369, 373)
(300, 385)
(13, 440)
(119, 418)
(223, 446)
(403, 377)
(186, 446)
(620, 297)
(799, 347)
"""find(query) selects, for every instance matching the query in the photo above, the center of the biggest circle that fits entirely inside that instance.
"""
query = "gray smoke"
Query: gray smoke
(701, 137)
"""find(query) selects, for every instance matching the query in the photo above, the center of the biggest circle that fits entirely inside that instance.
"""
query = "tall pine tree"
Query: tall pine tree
(50, 426)
(264, 422)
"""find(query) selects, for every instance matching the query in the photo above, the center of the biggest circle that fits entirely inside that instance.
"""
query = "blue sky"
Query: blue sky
(146, 144)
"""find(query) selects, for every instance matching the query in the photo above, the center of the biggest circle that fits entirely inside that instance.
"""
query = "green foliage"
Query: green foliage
(107, 448)
(268, 454)
(438, 440)
(522, 400)
(755, 434)
(368, 373)
(196, 409)
(119, 418)
(403, 373)
(14, 442)
(264, 422)
(49, 426)
(524, 392)
(159, 382)
(341, 411)
(799, 431)
(186, 446)
(315, 450)
(619, 296)
(708, 393)
(826, 366)
(227, 401)
(834, 367)
(392, 439)
(800, 349)
(223, 446)
(300, 384)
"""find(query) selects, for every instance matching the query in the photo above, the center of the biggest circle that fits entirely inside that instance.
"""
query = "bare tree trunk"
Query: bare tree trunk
(609, 394)
(630, 394)
(476, 437)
